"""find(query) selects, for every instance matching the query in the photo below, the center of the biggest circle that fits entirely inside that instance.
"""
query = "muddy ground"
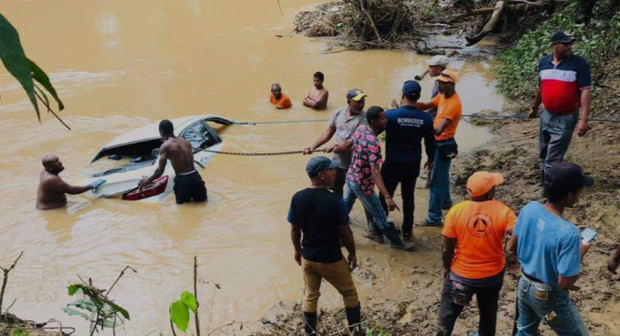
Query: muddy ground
(513, 151)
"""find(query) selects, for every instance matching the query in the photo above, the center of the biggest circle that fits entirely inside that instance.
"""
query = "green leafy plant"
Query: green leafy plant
(23, 69)
(179, 310)
(376, 332)
(95, 307)
(20, 332)
(596, 42)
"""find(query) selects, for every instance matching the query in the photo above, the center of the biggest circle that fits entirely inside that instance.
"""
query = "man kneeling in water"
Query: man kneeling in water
(188, 184)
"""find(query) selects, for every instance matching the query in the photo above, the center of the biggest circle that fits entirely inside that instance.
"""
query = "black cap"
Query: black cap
(567, 176)
(561, 37)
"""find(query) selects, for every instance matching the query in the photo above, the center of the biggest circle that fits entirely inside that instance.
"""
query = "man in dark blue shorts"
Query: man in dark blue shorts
(188, 185)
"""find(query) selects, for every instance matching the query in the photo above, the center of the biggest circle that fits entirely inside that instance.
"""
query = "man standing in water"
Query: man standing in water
(188, 185)
(564, 89)
(449, 111)
(318, 95)
(320, 225)
(279, 99)
(52, 189)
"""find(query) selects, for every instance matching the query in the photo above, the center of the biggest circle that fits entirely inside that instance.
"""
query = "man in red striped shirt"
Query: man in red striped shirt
(564, 89)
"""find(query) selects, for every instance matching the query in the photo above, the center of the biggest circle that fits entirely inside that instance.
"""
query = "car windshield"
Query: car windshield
(199, 135)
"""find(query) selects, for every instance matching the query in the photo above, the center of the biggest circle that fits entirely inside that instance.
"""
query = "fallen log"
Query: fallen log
(487, 10)
(488, 27)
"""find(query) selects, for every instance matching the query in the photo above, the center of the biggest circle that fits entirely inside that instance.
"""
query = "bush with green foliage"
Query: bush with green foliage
(596, 42)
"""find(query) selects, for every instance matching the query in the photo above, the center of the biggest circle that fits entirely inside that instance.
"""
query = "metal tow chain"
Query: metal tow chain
(260, 153)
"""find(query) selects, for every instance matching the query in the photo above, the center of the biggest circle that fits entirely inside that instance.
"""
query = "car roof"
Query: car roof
(151, 131)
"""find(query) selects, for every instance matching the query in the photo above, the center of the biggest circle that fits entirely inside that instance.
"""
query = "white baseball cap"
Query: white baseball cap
(438, 60)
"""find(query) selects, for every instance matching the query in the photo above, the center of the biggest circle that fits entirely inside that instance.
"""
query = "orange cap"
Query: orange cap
(479, 183)
(448, 76)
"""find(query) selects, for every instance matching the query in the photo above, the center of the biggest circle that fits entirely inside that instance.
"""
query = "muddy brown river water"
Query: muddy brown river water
(119, 65)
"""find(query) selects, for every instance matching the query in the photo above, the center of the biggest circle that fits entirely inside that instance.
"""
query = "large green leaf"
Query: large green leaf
(74, 288)
(40, 76)
(15, 61)
(179, 314)
(190, 301)
(118, 309)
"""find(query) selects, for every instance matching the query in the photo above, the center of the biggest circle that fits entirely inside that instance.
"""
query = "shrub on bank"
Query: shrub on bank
(597, 42)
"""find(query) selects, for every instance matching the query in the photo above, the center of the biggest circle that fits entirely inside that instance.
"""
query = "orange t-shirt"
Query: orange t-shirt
(283, 103)
(447, 109)
(479, 229)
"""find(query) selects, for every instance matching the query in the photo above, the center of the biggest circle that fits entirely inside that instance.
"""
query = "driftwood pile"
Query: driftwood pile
(381, 22)
(361, 24)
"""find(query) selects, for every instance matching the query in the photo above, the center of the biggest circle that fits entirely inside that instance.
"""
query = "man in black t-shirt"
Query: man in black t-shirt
(320, 224)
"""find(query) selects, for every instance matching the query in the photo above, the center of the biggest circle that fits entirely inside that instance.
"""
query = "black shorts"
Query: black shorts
(189, 187)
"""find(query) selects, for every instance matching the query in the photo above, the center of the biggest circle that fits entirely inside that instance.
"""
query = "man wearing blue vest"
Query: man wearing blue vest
(406, 127)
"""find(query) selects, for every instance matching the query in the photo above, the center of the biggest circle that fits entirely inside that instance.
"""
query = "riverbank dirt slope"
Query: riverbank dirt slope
(513, 151)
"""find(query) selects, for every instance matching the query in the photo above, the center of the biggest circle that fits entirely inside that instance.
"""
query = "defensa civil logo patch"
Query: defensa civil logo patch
(480, 225)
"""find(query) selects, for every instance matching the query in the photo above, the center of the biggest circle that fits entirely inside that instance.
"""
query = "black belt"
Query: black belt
(532, 278)
(440, 141)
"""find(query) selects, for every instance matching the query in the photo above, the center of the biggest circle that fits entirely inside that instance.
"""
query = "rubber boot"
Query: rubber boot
(354, 317)
(310, 323)
(393, 235)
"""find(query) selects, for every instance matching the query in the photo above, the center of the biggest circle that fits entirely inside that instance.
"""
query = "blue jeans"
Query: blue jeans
(439, 188)
(539, 302)
(371, 204)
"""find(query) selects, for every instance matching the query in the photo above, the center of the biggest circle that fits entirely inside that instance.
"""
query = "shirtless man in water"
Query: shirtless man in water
(318, 95)
(52, 189)
(188, 184)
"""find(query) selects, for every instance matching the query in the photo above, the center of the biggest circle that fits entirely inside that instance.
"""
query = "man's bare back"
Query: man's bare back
(180, 154)
(188, 185)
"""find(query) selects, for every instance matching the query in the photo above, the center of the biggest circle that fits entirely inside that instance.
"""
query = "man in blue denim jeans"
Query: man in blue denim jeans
(449, 111)
(365, 171)
(550, 251)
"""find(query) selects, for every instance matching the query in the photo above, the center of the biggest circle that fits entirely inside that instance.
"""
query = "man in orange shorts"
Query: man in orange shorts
(473, 254)
(279, 99)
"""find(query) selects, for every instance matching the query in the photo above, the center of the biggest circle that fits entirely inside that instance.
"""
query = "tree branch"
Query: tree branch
(49, 109)
(196, 295)
(372, 23)
(5, 278)
(497, 13)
